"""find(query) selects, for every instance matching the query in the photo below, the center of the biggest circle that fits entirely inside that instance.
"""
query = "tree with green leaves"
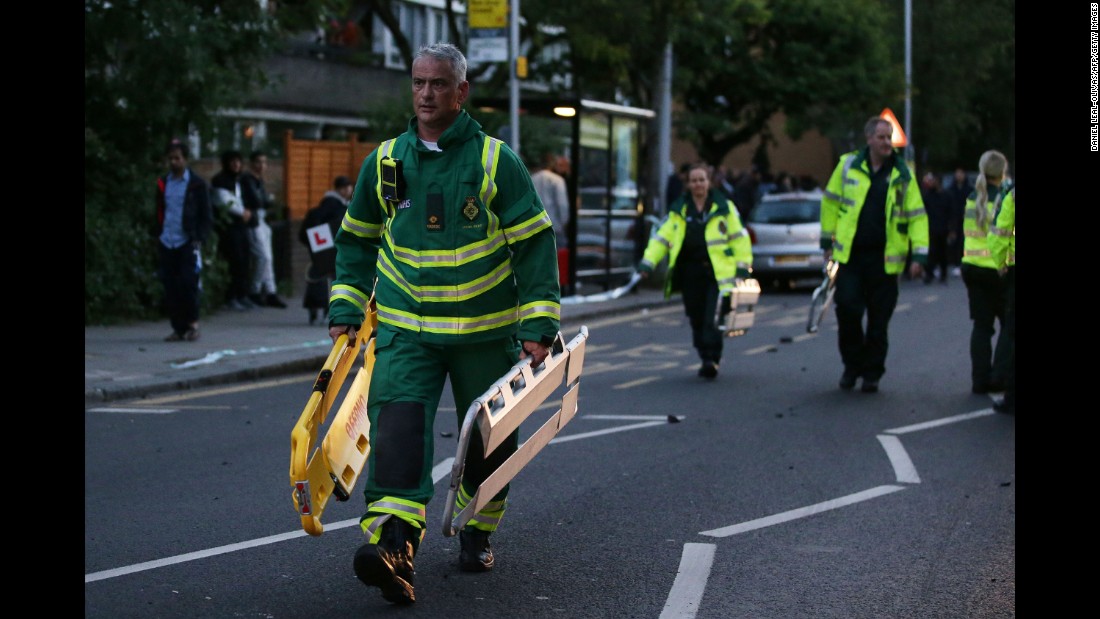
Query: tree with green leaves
(737, 63)
(964, 81)
(154, 70)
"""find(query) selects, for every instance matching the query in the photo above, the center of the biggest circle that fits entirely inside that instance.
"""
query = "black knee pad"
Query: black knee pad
(399, 445)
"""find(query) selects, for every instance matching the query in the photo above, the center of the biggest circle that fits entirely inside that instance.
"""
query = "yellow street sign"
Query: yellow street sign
(487, 13)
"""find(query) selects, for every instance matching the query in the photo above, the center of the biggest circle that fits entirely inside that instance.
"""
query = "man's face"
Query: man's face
(437, 99)
(880, 140)
(259, 164)
(176, 162)
(235, 166)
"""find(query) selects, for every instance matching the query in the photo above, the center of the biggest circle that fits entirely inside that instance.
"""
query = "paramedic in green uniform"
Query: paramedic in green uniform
(447, 233)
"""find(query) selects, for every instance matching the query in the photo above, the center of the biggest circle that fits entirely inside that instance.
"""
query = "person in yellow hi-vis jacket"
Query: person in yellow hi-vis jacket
(871, 213)
(985, 285)
(447, 232)
(1002, 250)
(708, 250)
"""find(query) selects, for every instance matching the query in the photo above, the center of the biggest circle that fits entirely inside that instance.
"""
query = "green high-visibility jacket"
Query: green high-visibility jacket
(906, 220)
(728, 245)
(467, 254)
(1002, 234)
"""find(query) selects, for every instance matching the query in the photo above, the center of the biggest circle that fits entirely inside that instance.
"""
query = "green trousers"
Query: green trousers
(406, 385)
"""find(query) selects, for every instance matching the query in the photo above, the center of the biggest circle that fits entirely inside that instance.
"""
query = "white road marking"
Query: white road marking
(904, 471)
(158, 411)
(935, 423)
(635, 383)
(439, 471)
(691, 579)
(802, 512)
(627, 417)
(637, 426)
(151, 411)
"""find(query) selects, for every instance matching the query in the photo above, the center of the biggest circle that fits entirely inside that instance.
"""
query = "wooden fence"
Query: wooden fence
(310, 166)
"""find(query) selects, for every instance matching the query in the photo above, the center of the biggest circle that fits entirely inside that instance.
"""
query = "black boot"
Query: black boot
(273, 300)
(476, 554)
(388, 564)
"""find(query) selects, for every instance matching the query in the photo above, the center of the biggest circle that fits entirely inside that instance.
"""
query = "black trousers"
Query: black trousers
(237, 249)
(937, 257)
(181, 274)
(864, 287)
(1009, 332)
(985, 290)
(700, 294)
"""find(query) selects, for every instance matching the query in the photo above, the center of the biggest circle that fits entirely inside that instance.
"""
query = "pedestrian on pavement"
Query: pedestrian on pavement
(555, 197)
(708, 250)
(1002, 248)
(262, 290)
(318, 234)
(937, 205)
(871, 212)
(446, 237)
(550, 186)
(985, 285)
(234, 218)
(183, 221)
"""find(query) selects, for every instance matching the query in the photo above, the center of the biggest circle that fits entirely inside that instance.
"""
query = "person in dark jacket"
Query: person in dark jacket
(957, 194)
(183, 222)
(938, 207)
(318, 233)
(236, 214)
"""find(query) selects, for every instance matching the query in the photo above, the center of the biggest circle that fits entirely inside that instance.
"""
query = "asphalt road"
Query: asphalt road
(768, 494)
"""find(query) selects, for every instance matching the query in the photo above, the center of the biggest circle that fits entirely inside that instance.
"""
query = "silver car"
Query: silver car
(786, 230)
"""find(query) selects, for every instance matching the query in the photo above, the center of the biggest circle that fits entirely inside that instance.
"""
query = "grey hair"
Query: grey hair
(873, 123)
(445, 52)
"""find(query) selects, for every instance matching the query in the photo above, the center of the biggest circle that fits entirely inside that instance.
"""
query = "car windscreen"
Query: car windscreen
(786, 212)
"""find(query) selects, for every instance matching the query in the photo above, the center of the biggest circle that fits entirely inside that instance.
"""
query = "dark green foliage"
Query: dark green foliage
(154, 70)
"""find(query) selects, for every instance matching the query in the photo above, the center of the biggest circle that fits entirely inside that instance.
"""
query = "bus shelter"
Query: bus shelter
(607, 230)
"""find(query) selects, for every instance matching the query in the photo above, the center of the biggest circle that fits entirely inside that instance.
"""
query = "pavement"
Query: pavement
(133, 361)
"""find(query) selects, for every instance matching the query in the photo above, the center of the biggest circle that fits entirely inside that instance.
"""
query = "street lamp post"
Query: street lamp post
(908, 79)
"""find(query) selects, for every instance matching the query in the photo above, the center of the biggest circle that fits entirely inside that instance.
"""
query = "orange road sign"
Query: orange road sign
(899, 140)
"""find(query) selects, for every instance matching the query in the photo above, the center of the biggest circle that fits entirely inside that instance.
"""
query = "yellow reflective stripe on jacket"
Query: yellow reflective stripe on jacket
(461, 292)
(528, 228)
(445, 257)
(540, 308)
(490, 157)
(446, 324)
(351, 295)
(361, 228)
